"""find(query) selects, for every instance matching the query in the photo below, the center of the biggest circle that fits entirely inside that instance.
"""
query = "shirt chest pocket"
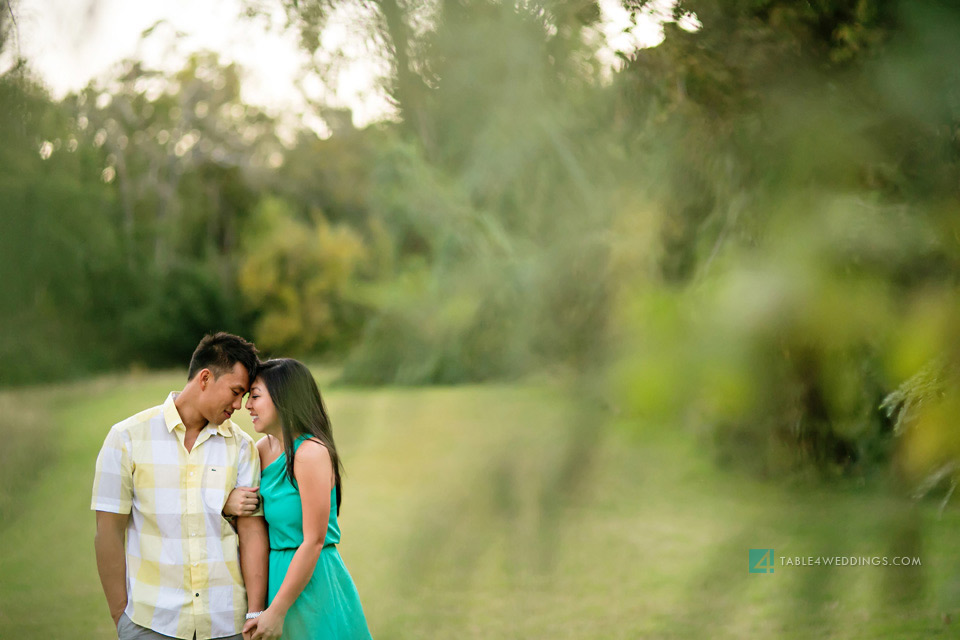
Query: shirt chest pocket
(218, 481)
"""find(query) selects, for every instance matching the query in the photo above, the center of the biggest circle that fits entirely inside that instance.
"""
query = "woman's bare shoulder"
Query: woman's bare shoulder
(313, 460)
(312, 449)
(269, 448)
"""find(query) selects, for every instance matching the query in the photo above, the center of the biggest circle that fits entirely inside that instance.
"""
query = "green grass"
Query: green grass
(511, 512)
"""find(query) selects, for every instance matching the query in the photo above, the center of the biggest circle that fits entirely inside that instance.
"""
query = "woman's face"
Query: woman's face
(261, 408)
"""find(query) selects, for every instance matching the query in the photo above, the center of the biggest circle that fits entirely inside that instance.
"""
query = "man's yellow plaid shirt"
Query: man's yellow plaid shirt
(183, 568)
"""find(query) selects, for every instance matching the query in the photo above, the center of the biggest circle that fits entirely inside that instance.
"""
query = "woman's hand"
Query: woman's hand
(268, 626)
(242, 501)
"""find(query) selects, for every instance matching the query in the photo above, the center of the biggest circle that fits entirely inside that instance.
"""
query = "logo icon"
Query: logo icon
(761, 561)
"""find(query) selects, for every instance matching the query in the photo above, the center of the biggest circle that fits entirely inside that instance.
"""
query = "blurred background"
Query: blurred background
(601, 294)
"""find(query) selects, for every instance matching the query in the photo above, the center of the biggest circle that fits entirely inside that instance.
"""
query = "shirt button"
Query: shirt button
(196, 563)
(197, 594)
(193, 535)
(191, 473)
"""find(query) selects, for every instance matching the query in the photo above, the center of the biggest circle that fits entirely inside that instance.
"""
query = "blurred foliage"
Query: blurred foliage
(808, 229)
(122, 206)
(750, 228)
(298, 276)
(54, 252)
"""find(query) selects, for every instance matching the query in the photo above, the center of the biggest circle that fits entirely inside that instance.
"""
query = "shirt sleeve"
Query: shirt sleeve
(113, 479)
(248, 468)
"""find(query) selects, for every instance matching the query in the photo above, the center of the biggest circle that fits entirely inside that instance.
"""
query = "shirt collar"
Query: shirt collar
(170, 414)
(172, 419)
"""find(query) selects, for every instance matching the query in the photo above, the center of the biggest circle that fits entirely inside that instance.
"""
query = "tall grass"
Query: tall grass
(28, 447)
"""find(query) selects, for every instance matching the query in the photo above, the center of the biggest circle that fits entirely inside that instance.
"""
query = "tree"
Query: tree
(298, 278)
(801, 226)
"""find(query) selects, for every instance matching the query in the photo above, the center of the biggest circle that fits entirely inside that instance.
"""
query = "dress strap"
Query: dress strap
(300, 439)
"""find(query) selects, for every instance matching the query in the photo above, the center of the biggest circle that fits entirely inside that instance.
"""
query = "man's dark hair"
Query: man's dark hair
(220, 352)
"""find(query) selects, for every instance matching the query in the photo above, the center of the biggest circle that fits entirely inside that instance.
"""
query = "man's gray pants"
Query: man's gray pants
(127, 629)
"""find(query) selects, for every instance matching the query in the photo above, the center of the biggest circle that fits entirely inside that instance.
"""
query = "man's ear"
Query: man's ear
(204, 378)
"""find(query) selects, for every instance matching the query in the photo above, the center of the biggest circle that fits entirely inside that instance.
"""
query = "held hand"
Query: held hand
(249, 629)
(242, 501)
(269, 626)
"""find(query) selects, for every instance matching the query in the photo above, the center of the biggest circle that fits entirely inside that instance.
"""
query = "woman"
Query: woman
(310, 592)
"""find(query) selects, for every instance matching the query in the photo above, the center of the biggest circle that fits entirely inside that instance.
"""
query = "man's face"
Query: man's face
(220, 397)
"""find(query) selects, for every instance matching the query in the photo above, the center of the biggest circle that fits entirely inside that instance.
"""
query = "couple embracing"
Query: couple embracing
(184, 547)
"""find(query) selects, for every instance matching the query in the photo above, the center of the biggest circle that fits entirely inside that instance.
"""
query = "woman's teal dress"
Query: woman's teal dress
(329, 606)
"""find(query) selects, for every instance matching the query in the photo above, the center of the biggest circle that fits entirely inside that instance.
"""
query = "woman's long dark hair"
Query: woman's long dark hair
(300, 408)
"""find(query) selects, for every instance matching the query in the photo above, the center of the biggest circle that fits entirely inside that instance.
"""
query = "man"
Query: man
(162, 478)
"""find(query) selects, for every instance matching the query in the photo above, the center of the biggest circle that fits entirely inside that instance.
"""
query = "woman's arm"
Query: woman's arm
(254, 559)
(314, 473)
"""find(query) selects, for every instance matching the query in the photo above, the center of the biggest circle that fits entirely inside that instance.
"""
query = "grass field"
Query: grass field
(509, 512)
